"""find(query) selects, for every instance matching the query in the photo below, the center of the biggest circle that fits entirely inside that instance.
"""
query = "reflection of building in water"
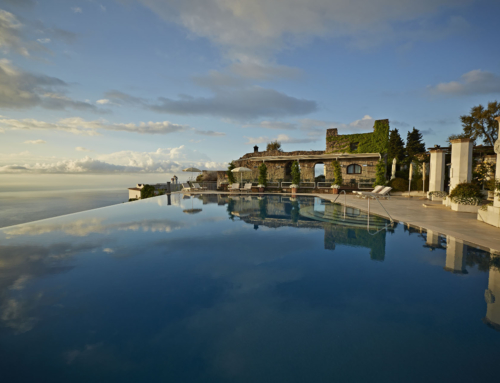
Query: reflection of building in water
(433, 240)
(492, 297)
(455, 256)
(279, 211)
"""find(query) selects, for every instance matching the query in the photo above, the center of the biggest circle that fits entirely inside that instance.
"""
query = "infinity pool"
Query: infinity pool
(209, 288)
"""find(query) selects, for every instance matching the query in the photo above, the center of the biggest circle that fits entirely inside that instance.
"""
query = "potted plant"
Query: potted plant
(337, 173)
(262, 178)
(295, 177)
(223, 185)
(466, 197)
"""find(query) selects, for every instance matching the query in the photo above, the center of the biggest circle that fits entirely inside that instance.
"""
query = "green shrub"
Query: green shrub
(147, 191)
(404, 174)
(337, 173)
(380, 173)
(399, 184)
(263, 174)
(420, 183)
(230, 174)
(466, 193)
(295, 173)
(439, 194)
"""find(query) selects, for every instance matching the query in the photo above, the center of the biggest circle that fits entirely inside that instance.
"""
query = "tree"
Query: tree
(480, 124)
(147, 191)
(396, 147)
(274, 145)
(414, 144)
(380, 173)
(263, 174)
(337, 173)
(295, 173)
(230, 174)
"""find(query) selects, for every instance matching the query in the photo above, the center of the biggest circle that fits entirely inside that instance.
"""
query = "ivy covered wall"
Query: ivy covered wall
(375, 142)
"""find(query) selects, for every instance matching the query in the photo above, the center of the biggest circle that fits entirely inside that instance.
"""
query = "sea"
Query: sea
(27, 206)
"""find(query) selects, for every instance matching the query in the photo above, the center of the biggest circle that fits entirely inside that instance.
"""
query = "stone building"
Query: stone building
(357, 154)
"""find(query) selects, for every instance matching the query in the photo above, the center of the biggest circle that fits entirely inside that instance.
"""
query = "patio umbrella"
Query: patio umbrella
(393, 174)
(241, 171)
(192, 170)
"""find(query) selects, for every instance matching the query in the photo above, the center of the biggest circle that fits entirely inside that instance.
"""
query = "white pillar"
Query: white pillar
(492, 298)
(461, 161)
(437, 170)
(496, 202)
(432, 239)
(455, 256)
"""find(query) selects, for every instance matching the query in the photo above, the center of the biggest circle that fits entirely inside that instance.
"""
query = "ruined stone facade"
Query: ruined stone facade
(347, 146)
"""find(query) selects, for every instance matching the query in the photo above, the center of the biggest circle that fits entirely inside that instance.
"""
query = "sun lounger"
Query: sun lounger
(197, 186)
(247, 188)
(186, 187)
(376, 190)
(234, 188)
(384, 193)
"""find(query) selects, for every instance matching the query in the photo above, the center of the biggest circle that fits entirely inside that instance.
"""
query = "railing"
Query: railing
(307, 185)
(286, 185)
(273, 185)
(175, 187)
(365, 185)
(209, 185)
(324, 185)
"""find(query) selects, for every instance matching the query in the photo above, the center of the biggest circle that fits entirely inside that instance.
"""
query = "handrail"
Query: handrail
(345, 197)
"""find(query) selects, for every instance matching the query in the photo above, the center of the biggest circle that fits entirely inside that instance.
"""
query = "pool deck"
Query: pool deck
(435, 217)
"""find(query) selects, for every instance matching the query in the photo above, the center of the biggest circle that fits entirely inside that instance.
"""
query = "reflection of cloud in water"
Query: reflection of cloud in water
(15, 314)
(19, 265)
(84, 227)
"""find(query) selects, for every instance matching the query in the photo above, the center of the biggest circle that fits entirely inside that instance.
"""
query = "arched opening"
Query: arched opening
(354, 169)
(319, 172)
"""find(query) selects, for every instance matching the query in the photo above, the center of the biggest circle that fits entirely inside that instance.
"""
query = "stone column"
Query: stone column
(461, 161)
(432, 239)
(496, 202)
(437, 169)
(492, 298)
(455, 256)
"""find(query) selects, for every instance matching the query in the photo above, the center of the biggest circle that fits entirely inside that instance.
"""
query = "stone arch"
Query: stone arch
(319, 172)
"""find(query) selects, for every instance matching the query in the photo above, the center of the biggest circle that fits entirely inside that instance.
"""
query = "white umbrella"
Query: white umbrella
(241, 170)
(192, 170)
(393, 175)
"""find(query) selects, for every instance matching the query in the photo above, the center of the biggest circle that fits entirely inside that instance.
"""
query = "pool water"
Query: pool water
(207, 288)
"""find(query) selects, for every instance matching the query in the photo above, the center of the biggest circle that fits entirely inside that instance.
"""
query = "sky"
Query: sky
(121, 92)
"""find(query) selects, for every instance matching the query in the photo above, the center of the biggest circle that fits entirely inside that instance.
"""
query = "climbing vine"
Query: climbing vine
(375, 142)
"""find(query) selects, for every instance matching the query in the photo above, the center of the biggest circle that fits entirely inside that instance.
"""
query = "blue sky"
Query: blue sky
(149, 86)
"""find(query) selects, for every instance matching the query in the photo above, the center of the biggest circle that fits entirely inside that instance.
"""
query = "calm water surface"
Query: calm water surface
(212, 289)
(28, 206)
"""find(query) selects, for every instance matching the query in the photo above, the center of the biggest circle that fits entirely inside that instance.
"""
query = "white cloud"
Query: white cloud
(44, 40)
(246, 29)
(103, 8)
(103, 101)
(77, 10)
(163, 160)
(78, 125)
(36, 142)
(81, 149)
(473, 82)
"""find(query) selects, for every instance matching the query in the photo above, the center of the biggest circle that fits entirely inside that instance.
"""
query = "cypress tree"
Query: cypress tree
(396, 147)
(230, 174)
(414, 144)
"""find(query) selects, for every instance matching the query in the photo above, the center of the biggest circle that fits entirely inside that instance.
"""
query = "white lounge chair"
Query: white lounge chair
(234, 188)
(376, 190)
(197, 186)
(384, 193)
(186, 187)
(247, 188)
